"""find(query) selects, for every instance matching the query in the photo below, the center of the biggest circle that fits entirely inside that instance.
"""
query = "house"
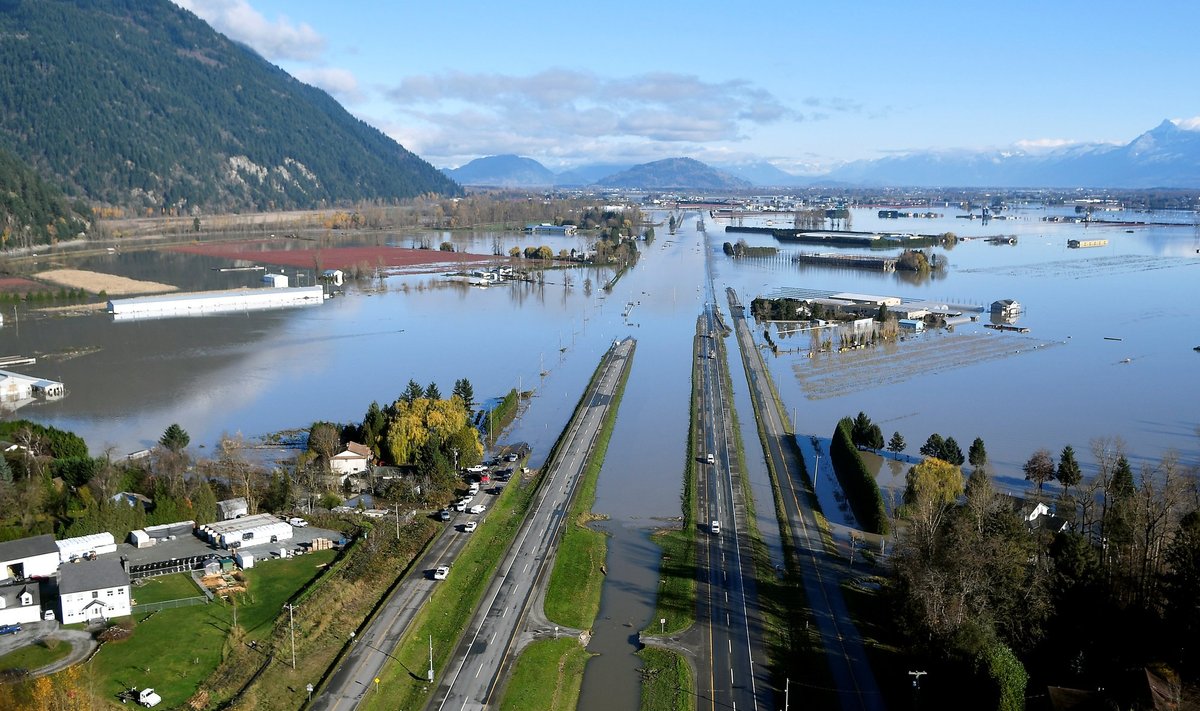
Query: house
(132, 498)
(35, 557)
(1006, 307)
(353, 459)
(93, 590)
(232, 508)
(19, 603)
(333, 276)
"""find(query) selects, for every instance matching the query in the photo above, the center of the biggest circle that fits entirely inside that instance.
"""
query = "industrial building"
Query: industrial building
(34, 557)
(212, 302)
(246, 531)
(15, 387)
(90, 546)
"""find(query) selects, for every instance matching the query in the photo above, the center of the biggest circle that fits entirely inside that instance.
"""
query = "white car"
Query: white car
(478, 509)
(441, 572)
(470, 527)
(297, 522)
(711, 459)
(460, 506)
(715, 528)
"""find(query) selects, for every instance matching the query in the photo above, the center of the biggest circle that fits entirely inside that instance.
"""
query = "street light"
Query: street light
(430, 659)
(292, 630)
(662, 625)
(309, 688)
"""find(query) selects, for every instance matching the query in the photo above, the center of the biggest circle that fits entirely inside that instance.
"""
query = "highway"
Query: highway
(851, 672)
(729, 674)
(476, 671)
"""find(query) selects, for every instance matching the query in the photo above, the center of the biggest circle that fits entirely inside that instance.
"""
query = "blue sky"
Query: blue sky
(803, 85)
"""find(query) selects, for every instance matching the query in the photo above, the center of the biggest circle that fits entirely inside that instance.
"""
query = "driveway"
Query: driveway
(82, 644)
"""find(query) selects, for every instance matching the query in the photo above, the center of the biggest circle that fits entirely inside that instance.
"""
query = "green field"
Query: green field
(547, 677)
(175, 650)
(35, 656)
(163, 588)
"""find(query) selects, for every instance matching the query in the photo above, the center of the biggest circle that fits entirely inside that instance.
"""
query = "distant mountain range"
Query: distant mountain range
(142, 104)
(1166, 156)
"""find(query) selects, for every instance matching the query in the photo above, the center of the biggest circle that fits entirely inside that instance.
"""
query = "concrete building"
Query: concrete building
(353, 459)
(72, 549)
(247, 531)
(35, 557)
(19, 603)
(211, 302)
(232, 508)
(93, 590)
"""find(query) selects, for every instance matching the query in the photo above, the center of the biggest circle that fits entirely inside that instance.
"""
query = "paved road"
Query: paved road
(82, 644)
(821, 575)
(371, 650)
(476, 671)
(727, 610)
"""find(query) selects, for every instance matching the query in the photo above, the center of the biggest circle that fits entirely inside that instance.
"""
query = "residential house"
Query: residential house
(353, 459)
(20, 602)
(93, 590)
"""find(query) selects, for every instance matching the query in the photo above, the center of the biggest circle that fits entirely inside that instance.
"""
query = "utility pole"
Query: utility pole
(430, 659)
(292, 630)
(787, 683)
(916, 675)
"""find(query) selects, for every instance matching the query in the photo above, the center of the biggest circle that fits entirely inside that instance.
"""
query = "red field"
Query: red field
(268, 252)
(17, 285)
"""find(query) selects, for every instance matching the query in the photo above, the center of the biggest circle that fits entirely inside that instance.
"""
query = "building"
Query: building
(132, 499)
(93, 590)
(867, 299)
(72, 549)
(15, 387)
(247, 531)
(212, 302)
(232, 508)
(35, 557)
(276, 281)
(911, 325)
(353, 459)
(549, 229)
(19, 603)
(333, 276)
(1006, 307)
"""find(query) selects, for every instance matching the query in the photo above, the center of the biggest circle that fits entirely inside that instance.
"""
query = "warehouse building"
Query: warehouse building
(247, 531)
(34, 557)
(72, 549)
(211, 302)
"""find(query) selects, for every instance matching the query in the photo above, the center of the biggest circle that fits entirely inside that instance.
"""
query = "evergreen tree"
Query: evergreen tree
(6, 475)
(412, 392)
(896, 444)
(977, 454)
(432, 392)
(465, 392)
(175, 439)
(860, 431)
(874, 439)
(952, 453)
(1069, 473)
(204, 502)
(933, 446)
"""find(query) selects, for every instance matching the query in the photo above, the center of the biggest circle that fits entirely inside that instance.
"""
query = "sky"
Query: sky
(805, 86)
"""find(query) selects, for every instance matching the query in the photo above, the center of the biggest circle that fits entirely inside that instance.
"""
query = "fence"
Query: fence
(168, 604)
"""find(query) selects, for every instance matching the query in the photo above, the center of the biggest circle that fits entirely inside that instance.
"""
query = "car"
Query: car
(711, 459)
(297, 522)
(460, 506)
(444, 514)
(478, 509)
(10, 629)
(470, 527)
(473, 489)
(512, 457)
(441, 572)
(715, 527)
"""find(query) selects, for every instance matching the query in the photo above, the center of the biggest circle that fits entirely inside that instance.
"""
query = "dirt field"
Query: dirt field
(17, 285)
(269, 251)
(95, 282)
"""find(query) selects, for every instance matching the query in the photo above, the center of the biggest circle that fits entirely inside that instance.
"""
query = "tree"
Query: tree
(952, 453)
(1182, 588)
(931, 488)
(1039, 469)
(412, 392)
(874, 439)
(175, 439)
(977, 454)
(432, 392)
(860, 431)
(465, 392)
(1069, 473)
(325, 441)
(6, 475)
(933, 446)
(896, 444)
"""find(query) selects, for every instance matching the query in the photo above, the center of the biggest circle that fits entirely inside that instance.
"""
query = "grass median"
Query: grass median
(547, 676)
(666, 681)
(573, 594)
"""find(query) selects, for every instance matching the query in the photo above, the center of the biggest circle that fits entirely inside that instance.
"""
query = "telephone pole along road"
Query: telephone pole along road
(481, 662)
(849, 668)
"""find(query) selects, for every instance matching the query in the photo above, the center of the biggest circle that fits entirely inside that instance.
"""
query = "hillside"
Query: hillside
(674, 173)
(141, 104)
(32, 211)
(506, 171)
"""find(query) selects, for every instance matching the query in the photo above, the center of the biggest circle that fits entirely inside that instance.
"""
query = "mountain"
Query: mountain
(588, 174)
(139, 103)
(674, 173)
(507, 171)
(764, 174)
(1166, 156)
(32, 211)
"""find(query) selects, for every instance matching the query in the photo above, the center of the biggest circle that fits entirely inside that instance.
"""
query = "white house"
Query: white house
(19, 603)
(93, 590)
(232, 508)
(353, 459)
(28, 557)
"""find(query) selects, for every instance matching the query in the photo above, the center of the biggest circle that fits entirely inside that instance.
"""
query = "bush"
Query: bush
(862, 492)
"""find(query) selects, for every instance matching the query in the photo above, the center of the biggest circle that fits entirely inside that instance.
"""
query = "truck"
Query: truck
(147, 698)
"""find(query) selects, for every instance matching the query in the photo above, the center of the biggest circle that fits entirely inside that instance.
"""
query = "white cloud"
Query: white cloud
(341, 83)
(1188, 124)
(574, 116)
(1043, 144)
(274, 39)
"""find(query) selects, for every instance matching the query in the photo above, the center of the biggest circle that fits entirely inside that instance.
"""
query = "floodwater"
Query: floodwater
(1063, 382)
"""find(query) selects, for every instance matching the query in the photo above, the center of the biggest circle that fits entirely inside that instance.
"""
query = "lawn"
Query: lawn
(667, 683)
(175, 650)
(35, 656)
(164, 587)
(548, 676)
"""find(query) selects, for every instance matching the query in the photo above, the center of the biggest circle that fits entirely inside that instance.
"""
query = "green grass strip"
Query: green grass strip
(666, 681)
(573, 594)
(547, 676)
(35, 656)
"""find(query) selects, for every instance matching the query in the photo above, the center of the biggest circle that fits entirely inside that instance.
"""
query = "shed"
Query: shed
(89, 546)
(140, 539)
(232, 508)
(911, 324)
(244, 560)
(275, 281)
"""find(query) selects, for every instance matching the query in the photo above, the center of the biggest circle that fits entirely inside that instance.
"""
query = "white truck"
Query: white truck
(147, 698)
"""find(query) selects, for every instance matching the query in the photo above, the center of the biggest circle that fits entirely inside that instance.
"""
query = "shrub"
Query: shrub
(862, 492)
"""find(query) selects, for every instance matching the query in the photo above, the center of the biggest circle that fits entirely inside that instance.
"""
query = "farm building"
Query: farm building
(232, 508)
(19, 603)
(911, 325)
(210, 302)
(248, 531)
(28, 557)
(868, 299)
(71, 549)
(93, 590)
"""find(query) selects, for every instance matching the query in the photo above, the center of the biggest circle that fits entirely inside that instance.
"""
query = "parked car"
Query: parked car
(460, 506)
(10, 629)
(470, 527)
(441, 572)
(478, 509)
(444, 514)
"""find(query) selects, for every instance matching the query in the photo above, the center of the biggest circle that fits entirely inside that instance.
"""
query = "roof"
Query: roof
(356, 449)
(28, 547)
(247, 523)
(91, 575)
(11, 594)
(232, 505)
